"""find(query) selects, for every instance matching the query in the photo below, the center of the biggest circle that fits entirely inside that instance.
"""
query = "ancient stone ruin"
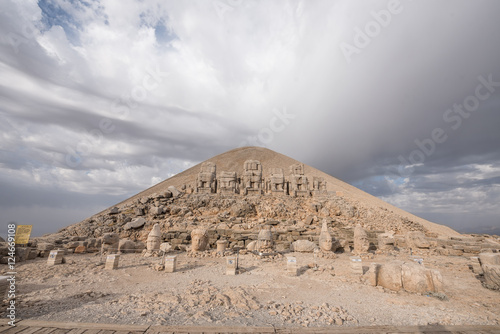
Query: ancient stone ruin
(206, 181)
(199, 240)
(252, 177)
(252, 181)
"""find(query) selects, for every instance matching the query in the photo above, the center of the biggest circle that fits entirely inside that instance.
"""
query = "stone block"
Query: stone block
(303, 246)
(112, 261)
(291, 266)
(389, 276)
(55, 257)
(356, 265)
(171, 263)
(135, 223)
(231, 265)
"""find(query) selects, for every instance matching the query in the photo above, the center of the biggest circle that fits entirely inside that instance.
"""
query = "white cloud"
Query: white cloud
(175, 82)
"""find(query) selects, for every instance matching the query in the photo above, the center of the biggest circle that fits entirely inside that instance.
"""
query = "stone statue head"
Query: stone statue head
(265, 238)
(325, 238)
(154, 239)
(199, 240)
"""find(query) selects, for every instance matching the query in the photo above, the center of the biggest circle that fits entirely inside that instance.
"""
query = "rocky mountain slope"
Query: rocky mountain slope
(343, 205)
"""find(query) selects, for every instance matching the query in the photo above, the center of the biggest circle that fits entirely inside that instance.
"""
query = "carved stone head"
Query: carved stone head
(325, 238)
(154, 239)
(199, 240)
(265, 238)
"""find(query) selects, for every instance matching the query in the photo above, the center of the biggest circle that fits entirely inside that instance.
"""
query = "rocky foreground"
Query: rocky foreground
(325, 293)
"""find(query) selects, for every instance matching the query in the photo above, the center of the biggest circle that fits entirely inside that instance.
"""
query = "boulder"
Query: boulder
(408, 276)
(155, 210)
(81, 249)
(418, 279)
(93, 244)
(135, 223)
(45, 246)
(417, 239)
(385, 241)
(389, 276)
(114, 210)
(242, 209)
(165, 247)
(252, 245)
(303, 246)
(110, 243)
(490, 263)
(175, 192)
(361, 243)
(126, 246)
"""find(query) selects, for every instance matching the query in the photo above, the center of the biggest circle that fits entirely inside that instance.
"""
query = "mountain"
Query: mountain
(345, 204)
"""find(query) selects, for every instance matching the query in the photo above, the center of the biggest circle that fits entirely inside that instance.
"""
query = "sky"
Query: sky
(100, 99)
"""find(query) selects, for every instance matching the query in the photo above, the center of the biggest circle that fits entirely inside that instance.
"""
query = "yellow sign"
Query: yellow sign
(23, 233)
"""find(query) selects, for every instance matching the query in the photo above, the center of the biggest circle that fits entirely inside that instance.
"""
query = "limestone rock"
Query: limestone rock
(242, 209)
(418, 279)
(126, 246)
(389, 276)
(165, 247)
(45, 246)
(411, 277)
(416, 239)
(325, 238)
(199, 240)
(153, 242)
(110, 243)
(175, 192)
(490, 263)
(385, 241)
(252, 245)
(361, 243)
(156, 210)
(135, 223)
(304, 246)
(80, 249)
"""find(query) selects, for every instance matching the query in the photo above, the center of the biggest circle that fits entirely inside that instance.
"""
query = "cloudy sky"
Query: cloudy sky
(100, 99)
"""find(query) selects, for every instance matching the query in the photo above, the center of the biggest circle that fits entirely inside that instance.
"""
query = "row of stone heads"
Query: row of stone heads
(252, 181)
(264, 242)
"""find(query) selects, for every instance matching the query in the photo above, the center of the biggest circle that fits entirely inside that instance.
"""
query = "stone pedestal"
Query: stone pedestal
(373, 273)
(221, 246)
(171, 263)
(112, 261)
(55, 257)
(356, 265)
(4, 286)
(231, 265)
(291, 266)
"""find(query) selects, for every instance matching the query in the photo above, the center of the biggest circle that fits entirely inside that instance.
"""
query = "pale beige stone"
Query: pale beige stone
(231, 265)
(417, 239)
(265, 240)
(110, 242)
(361, 243)
(112, 261)
(206, 180)
(291, 266)
(252, 177)
(171, 263)
(199, 240)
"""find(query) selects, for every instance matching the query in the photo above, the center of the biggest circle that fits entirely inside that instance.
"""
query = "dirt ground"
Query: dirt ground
(200, 293)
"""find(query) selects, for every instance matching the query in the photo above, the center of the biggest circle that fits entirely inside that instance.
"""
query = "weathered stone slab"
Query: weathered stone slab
(135, 223)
